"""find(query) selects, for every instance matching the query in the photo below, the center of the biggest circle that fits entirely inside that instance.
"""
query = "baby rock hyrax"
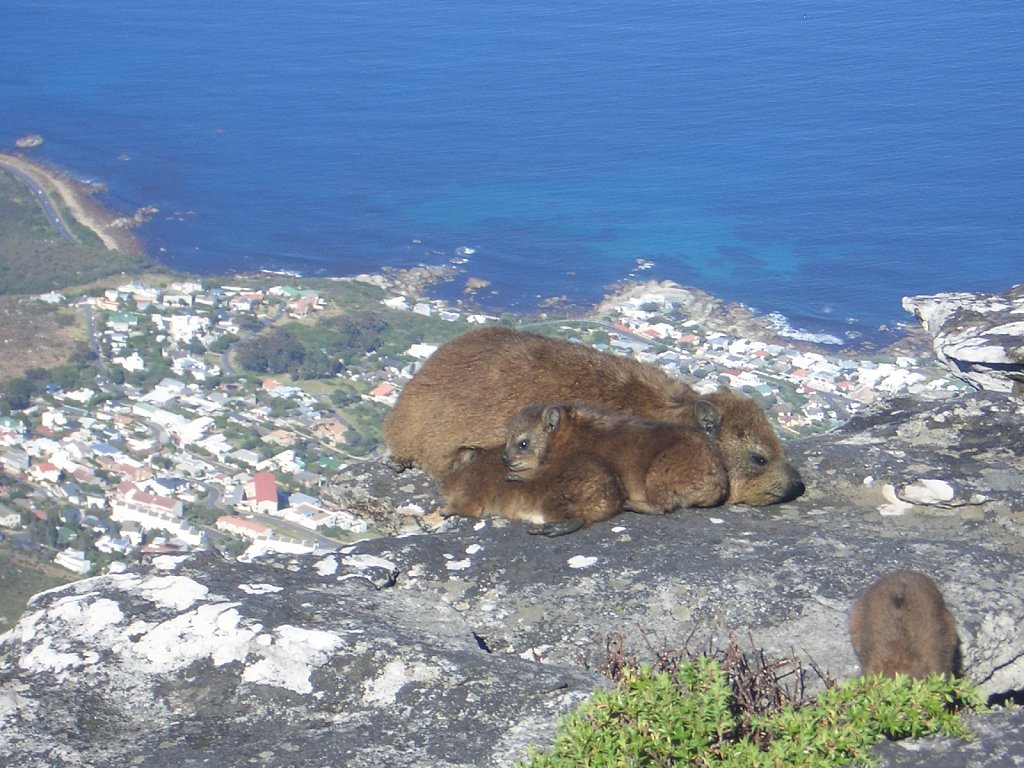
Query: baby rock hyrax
(662, 466)
(901, 625)
(582, 490)
(466, 392)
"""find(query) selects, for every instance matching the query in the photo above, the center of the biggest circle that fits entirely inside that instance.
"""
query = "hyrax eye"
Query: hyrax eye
(759, 459)
(523, 444)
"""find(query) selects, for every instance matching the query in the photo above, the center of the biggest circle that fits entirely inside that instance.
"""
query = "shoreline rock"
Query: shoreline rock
(29, 141)
(978, 336)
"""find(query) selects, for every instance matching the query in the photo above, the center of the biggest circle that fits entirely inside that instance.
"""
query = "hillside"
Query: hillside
(34, 258)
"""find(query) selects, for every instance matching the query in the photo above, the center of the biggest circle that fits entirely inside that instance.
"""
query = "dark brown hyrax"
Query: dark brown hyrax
(662, 466)
(466, 392)
(579, 491)
(901, 625)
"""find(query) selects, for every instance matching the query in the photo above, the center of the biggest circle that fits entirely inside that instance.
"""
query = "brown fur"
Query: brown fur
(901, 625)
(662, 466)
(467, 391)
(584, 488)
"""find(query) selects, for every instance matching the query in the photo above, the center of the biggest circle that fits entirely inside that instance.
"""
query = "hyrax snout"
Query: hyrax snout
(584, 488)
(900, 624)
(662, 465)
(466, 392)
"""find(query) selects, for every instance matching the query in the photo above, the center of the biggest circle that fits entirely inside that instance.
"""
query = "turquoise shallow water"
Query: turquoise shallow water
(819, 160)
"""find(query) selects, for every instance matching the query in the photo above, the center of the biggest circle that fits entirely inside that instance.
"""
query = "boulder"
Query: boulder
(979, 336)
(461, 646)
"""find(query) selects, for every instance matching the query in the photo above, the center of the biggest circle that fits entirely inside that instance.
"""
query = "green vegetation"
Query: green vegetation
(280, 351)
(350, 335)
(80, 371)
(365, 420)
(35, 259)
(701, 714)
(23, 574)
(200, 514)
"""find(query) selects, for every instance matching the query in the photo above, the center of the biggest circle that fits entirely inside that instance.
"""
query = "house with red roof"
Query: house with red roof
(239, 526)
(44, 472)
(261, 493)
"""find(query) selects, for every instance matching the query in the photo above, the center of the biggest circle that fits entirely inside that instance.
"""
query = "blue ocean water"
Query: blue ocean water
(820, 160)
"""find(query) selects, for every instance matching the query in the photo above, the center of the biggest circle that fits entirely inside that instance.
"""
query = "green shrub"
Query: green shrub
(691, 717)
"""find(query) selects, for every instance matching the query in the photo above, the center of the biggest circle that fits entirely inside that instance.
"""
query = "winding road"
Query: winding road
(42, 199)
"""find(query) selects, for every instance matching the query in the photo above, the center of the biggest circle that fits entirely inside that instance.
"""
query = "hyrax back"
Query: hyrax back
(466, 392)
(901, 625)
(662, 466)
(583, 488)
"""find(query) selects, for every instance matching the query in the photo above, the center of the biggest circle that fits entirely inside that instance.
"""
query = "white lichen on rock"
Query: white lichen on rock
(290, 656)
(382, 691)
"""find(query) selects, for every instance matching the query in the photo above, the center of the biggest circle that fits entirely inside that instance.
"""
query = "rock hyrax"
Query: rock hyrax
(662, 465)
(901, 625)
(584, 489)
(466, 392)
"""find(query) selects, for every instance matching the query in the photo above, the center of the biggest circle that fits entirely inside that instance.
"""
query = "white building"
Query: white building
(268, 546)
(9, 518)
(74, 560)
(184, 328)
(192, 431)
(153, 513)
(132, 363)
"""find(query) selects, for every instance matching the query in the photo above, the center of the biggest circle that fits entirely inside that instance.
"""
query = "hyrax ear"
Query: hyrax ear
(552, 418)
(709, 418)
(464, 455)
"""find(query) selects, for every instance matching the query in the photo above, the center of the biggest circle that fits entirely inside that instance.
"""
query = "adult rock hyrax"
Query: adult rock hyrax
(466, 392)
(662, 465)
(579, 491)
(901, 625)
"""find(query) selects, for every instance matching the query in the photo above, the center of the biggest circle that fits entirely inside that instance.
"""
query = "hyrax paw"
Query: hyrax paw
(551, 530)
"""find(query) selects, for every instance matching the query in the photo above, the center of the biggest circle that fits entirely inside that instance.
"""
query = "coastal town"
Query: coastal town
(174, 445)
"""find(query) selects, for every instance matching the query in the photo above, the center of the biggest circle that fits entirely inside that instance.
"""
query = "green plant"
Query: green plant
(693, 717)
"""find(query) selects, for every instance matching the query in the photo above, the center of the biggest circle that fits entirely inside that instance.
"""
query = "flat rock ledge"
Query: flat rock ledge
(463, 646)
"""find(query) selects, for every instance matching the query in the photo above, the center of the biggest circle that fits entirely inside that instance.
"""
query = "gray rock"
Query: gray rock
(979, 336)
(303, 662)
(996, 742)
(462, 646)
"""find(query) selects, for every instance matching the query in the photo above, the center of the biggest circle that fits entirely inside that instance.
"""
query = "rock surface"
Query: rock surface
(461, 646)
(980, 337)
(204, 661)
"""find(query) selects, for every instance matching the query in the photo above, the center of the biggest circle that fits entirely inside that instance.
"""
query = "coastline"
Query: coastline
(112, 230)
(115, 232)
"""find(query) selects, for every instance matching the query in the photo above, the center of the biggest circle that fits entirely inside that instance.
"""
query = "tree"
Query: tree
(195, 347)
(18, 393)
(221, 343)
(356, 335)
(72, 376)
(277, 351)
(246, 321)
(82, 354)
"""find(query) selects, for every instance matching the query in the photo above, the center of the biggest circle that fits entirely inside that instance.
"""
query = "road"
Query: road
(42, 199)
(94, 341)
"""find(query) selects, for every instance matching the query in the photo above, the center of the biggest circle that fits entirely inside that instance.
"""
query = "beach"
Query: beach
(112, 230)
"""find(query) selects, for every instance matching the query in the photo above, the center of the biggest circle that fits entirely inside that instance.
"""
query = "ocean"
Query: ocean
(816, 160)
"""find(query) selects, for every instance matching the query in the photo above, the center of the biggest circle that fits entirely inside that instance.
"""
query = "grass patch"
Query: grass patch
(36, 335)
(737, 710)
(21, 576)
